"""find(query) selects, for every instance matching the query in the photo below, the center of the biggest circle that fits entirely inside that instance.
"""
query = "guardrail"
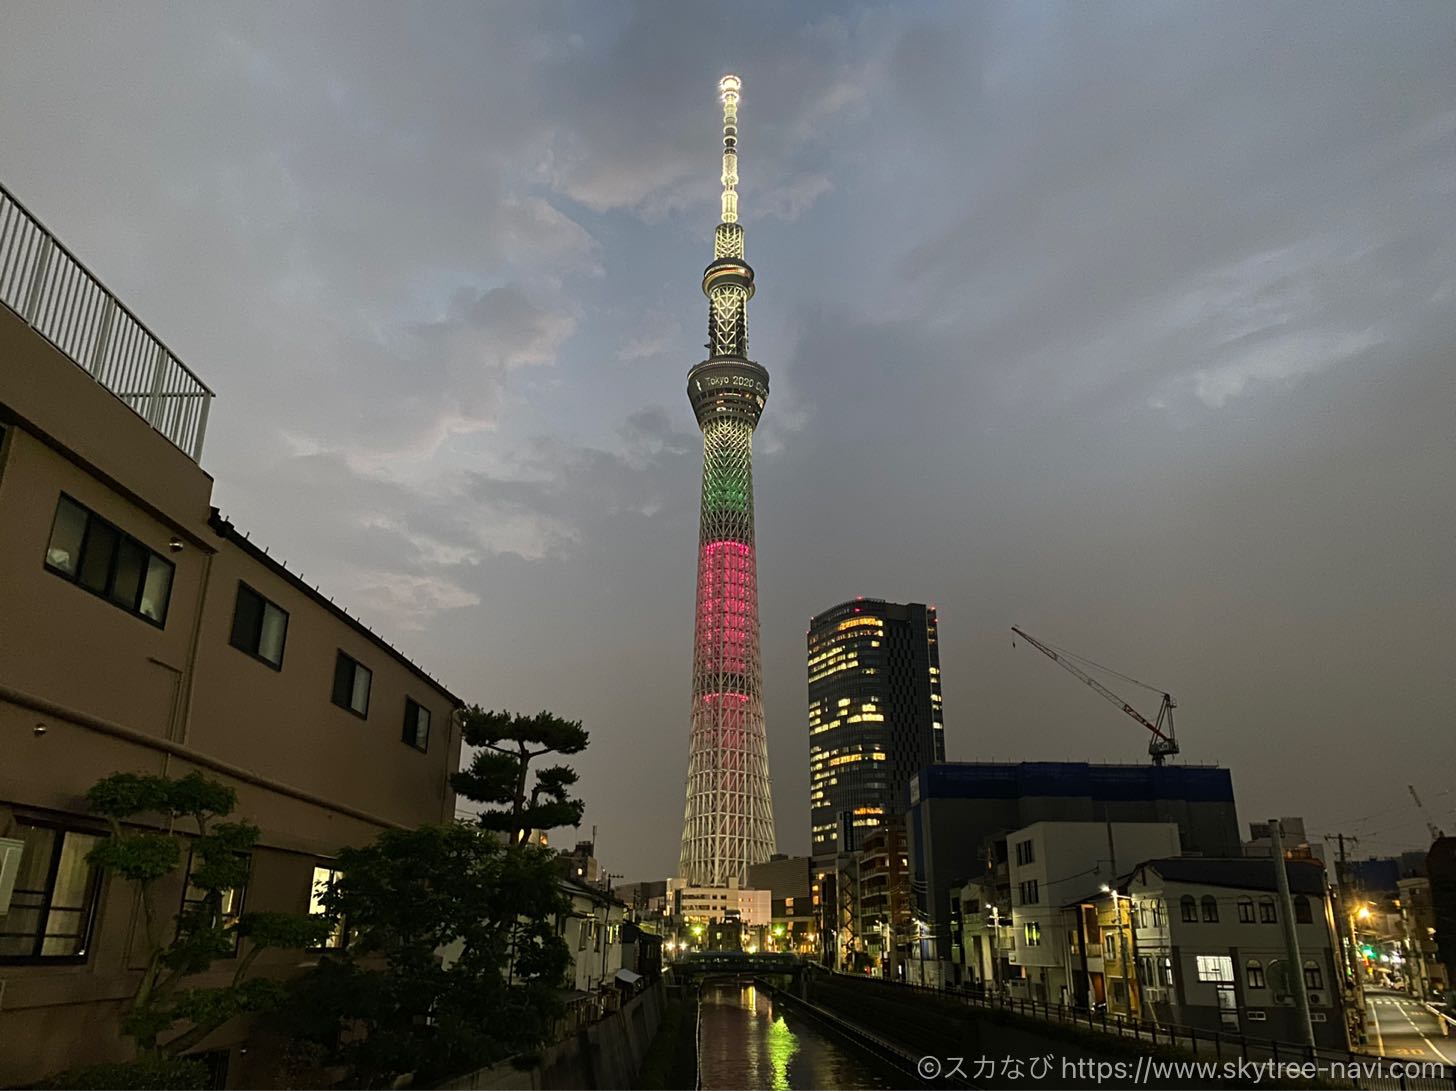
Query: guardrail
(1444, 1021)
(58, 297)
(1381, 1073)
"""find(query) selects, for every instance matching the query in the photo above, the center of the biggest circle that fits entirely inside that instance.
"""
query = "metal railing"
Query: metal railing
(58, 297)
(1334, 1065)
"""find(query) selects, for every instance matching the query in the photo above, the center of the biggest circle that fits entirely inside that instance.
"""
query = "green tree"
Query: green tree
(454, 961)
(163, 1002)
(499, 774)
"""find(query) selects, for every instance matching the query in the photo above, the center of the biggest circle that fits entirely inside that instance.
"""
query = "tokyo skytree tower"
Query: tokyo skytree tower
(728, 823)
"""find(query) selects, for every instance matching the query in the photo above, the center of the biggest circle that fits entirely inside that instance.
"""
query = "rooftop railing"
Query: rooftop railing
(58, 297)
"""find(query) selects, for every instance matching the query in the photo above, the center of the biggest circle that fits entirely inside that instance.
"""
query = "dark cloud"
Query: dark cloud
(1130, 324)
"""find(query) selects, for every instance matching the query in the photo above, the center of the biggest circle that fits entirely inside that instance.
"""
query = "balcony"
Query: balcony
(59, 298)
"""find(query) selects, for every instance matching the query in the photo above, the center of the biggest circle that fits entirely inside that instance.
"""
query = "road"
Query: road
(1402, 1029)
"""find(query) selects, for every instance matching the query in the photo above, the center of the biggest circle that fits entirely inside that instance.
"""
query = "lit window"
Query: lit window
(351, 685)
(1255, 972)
(54, 900)
(323, 878)
(1032, 932)
(1215, 967)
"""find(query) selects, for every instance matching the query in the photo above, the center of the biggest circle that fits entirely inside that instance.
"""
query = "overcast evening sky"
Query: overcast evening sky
(1134, 325)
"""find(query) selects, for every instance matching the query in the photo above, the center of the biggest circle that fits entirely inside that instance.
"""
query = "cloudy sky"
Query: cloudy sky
(1132, 325)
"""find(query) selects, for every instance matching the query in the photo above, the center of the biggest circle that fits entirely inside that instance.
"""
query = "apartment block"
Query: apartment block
(140, 631)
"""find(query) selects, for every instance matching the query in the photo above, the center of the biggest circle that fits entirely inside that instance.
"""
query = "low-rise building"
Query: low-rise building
(1422, 971)
(144, 633)
(1205, 947)
(885, 923)
(1056, 871)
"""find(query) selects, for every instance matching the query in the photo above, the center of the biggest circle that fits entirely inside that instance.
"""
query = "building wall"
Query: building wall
(88, 689)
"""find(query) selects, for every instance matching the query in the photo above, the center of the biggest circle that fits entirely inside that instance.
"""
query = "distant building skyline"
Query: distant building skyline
(875, 714)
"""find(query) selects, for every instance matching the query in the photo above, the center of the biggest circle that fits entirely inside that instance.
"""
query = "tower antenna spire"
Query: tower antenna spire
(728, 88)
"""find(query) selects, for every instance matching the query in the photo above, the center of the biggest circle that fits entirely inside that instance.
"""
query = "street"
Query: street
(1404, 1029)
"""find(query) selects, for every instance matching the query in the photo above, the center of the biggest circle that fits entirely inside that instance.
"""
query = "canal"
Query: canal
(745, 1040)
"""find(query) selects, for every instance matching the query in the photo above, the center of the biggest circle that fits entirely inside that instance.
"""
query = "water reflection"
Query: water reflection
(746, 1041)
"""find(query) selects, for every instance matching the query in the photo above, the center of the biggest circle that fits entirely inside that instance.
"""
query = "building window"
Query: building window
(1313, 978)
(416, 725)
(1267, 915)
(351, 685)
(90, 552)
(1025, 853)
(1032, 932)
(1210, 909)
(1255, 971)
(54, 901)
(259, 627)
(1246, 910)
(1301, 910)
(1189, 908)
(1215, 967)
(212, 909)
(1030, 894)
(323, 878)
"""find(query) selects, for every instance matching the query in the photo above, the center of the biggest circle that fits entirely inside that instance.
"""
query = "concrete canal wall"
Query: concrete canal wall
(607, 1054)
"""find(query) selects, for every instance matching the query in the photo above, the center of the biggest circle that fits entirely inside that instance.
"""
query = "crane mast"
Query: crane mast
(1162, 744)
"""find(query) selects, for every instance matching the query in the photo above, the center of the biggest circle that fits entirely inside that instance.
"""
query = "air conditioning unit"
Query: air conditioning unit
(10, 852)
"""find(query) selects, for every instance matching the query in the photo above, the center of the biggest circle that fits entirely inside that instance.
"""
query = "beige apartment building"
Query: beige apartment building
(140, 631)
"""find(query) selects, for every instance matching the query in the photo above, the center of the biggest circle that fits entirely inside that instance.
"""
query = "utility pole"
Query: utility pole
(995, 947)
(1133, 983)
(1345, 933)
(1291, 935)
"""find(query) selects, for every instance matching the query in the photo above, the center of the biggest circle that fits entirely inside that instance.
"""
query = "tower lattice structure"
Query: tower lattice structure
(728, 822)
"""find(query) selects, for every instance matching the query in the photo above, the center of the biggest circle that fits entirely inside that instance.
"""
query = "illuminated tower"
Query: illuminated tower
(728, 823)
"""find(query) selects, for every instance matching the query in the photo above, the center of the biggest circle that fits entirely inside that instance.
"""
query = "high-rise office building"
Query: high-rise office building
(728, 820)
(875, 716)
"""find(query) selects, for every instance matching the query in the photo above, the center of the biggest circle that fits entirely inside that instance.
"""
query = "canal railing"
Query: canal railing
(1345, 1068)
(57, 296)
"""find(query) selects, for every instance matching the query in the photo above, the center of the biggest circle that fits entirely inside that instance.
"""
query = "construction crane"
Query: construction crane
(1436, 834)
(1163, 743)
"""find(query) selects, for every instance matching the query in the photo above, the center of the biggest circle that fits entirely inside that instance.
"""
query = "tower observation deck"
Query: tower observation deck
(728, 820)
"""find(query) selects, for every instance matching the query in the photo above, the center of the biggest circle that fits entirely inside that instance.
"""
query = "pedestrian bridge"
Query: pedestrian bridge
(700, 964)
